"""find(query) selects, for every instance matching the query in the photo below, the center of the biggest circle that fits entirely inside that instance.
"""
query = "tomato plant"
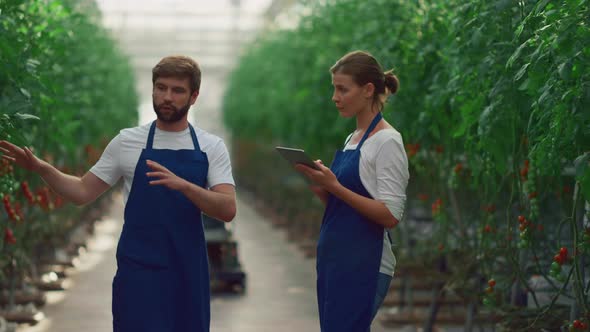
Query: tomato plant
(493, 111)
(64, 86)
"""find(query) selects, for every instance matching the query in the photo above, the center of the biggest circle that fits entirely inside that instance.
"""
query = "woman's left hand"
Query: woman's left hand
(165, 177)
(322, 177)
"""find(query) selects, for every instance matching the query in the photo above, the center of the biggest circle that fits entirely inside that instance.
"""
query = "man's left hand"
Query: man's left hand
(164, 176)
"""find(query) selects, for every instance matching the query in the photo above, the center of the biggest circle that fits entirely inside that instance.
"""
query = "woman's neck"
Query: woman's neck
(365, 117)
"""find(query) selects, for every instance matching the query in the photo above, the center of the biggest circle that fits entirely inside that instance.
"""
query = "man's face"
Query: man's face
(172, 98)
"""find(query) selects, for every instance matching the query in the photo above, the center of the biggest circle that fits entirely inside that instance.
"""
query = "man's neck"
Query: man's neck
(172, 126)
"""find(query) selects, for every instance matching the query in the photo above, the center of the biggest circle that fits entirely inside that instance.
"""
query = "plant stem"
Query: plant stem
(578, 276)
(550, 306)
(12, 277)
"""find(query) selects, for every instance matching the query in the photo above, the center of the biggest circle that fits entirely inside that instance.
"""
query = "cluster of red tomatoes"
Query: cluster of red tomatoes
(558, 260)
(489, 299)
(578, 325)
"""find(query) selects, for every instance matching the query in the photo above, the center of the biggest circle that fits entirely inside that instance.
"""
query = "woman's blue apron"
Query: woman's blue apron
(349, 253)
(162, 280)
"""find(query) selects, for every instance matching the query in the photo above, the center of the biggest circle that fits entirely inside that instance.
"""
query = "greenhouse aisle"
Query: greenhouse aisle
(280, 291)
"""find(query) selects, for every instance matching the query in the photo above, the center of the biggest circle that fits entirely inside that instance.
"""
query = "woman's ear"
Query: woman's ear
(369, 90)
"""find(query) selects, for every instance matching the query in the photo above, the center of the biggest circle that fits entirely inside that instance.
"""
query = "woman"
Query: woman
(364, 193)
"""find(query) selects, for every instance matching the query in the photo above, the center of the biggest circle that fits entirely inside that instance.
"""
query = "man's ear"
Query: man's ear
(194, 96)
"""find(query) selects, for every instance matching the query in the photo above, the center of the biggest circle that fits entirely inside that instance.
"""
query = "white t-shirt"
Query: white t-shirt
(122, 154)
(384, 172)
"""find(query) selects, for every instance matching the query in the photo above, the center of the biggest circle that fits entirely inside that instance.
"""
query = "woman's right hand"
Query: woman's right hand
(322, 176)
(22, 157)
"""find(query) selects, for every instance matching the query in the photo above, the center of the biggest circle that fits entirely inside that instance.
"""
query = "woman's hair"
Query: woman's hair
(179, 66)
(364, 68)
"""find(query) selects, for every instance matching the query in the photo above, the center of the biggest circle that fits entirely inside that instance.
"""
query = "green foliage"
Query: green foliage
(65, 90)
(493, 104)
(59, 65)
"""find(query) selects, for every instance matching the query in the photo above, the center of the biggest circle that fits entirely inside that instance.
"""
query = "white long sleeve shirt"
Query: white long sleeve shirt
(384, 172)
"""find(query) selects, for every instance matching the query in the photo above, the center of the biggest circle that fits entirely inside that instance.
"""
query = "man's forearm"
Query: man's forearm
(67, 186)
(219, 205)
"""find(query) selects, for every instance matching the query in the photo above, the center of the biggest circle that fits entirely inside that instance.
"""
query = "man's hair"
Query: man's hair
(179, 66)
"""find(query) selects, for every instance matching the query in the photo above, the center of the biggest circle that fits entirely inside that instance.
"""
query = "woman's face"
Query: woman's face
(349, 97)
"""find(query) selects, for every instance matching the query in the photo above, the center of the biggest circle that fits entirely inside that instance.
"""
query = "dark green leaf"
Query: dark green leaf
(21, 116)
(516, 54)
(521, 72)
(581, 164)
(541, 6)
(565, 70)
(25, 92)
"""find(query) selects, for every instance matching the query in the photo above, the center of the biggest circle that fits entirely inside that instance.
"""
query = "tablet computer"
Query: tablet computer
(296, 156)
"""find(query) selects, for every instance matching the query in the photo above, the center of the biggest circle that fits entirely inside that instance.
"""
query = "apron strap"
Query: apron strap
(150, 141)
(194, 137)
(372, 126)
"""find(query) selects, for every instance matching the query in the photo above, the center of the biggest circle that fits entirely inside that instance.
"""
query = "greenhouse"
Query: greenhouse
(294, 165)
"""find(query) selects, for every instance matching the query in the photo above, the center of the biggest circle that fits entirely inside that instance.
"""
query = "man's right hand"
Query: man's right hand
(23, 157)
(77, 190)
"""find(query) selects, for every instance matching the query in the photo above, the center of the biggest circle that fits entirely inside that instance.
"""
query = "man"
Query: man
(162, 279)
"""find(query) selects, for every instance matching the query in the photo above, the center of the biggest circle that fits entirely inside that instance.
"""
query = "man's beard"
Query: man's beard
(175, 116)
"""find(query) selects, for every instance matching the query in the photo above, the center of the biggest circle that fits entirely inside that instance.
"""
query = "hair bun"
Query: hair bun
(391, 82)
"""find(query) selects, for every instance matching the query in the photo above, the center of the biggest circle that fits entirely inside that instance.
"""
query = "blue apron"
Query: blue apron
(349, 253)
(162, 279)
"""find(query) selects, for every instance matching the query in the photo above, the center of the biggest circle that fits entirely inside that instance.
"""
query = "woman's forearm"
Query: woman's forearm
(372, 209)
